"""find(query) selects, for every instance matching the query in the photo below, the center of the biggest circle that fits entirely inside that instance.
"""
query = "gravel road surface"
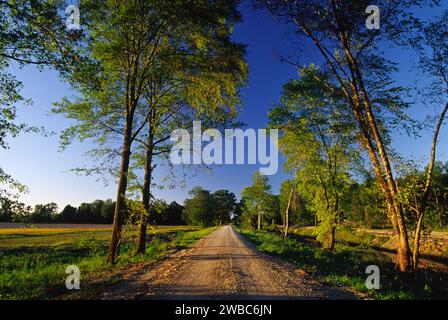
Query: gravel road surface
(223, 265)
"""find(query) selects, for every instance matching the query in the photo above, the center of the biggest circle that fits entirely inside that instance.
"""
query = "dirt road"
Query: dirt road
(223, 265)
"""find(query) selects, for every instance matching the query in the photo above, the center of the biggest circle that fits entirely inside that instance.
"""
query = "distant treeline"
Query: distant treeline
(98, 211)
(204, 208)
(362, 205)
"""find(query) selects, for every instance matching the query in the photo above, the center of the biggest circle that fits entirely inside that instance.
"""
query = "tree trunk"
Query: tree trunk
(259, 221)
(427, 189)
(120, 205)
(330, 239)
(141, 239)
(146, 195)
(287, 213)
(375, 146)
(440, 210)
(332, 231)
(403, 252)
(416, 251)
(371, 136)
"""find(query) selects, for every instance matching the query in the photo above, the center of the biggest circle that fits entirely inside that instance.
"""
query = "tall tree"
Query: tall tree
(199, 209)
(353, 55)
(286, 197)
(256, 198)
(366, 204)
(225, 203)
(173, 215)
(318, 144)
(435, 64)
(186, 86)
(124, 38)
(272, 210)
(293, 206)
(129, 42)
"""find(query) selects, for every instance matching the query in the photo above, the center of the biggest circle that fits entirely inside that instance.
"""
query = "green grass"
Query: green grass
(344, 234)
(345, 267)
(34, 237)
(32, 266)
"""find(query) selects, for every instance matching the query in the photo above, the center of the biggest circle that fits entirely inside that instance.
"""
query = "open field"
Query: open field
(66, 235)
(11, 225)
(33, 261)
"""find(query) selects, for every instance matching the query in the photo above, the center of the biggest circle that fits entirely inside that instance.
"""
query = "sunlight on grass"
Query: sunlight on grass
(28, 237)
(345, 267)
(29, 272)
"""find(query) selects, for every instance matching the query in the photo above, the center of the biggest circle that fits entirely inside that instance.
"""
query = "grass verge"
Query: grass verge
(345, 267)
(34, 268)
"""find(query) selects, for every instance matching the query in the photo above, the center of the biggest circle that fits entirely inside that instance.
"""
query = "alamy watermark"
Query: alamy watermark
(373, 21)
(240, 147)
(373, 278)
(73, 280)
(73, 17)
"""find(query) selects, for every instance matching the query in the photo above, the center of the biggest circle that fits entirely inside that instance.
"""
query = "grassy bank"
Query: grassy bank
(33, 262)
(346, 265)
(435, 244)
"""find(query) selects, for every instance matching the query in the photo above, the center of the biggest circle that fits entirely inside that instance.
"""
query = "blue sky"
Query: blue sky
(35, 161)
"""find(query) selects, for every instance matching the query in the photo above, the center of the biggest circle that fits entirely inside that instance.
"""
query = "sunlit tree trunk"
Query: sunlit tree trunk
(353, 88)
(120, 206)
(417, 236)
(146, 195)
(329, 244)
(424, 202)
(287, 212)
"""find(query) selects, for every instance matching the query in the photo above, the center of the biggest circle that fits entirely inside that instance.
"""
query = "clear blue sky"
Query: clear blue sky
(35, 161)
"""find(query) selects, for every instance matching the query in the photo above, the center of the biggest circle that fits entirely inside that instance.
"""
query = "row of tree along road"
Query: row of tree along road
(145, 68)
